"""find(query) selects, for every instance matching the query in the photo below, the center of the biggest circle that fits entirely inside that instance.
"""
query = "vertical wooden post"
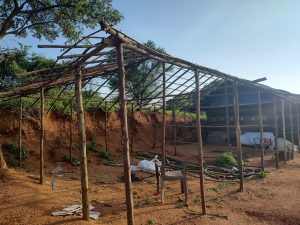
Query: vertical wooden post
(199, 141)
(174, 128)
(298, 127)
(276, 132)
(154, 127)
(105, 128)
(291, 124)
(20, 132)
(261, 129)
(125, 140)
(42, 136)
(283, 130)
(238, 134)
(71, 132)
(82, 147)
(163, 153)
(227, 113)
(132, 127)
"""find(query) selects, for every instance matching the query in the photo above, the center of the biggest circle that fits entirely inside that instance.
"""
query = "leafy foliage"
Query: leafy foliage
(105, 154)
(91, 146)
(11, 150)
(53, 18)
(141, 80)
(262, 174)
(226, 159)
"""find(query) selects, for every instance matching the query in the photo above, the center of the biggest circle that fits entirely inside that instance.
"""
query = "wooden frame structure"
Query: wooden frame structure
(107, 56)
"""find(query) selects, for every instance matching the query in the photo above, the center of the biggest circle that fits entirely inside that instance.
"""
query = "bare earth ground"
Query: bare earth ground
(274, 200)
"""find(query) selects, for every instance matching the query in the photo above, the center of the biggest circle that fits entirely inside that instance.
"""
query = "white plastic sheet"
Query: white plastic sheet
(253, 138)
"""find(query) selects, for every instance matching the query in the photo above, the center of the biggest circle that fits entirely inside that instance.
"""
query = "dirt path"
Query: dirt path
(274, 200)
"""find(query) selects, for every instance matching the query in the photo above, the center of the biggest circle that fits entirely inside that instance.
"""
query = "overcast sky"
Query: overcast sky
(248, 39)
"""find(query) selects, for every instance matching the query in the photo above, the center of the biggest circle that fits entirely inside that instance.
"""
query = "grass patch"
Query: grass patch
(262, 174)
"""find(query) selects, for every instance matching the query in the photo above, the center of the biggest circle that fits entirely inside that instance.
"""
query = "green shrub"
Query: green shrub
(58, 140)
(226, 159)
(262, 174)
(24, 152)
(10, 146)
(91, 146)
(106, 154)
(65, 158)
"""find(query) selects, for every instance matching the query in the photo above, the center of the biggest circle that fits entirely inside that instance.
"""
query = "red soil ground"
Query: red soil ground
(273, 200)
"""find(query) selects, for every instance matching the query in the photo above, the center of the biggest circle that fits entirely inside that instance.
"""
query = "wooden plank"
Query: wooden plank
(283, 130)
(261, 129)
(125, 139)
(276, 132)
(20, 131)
(163, 150)
(82, 147)
(42, 136)
(238, 134)
(199, 141)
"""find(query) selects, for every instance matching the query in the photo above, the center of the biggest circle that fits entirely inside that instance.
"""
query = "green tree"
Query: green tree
(53, 18)
(141, 79)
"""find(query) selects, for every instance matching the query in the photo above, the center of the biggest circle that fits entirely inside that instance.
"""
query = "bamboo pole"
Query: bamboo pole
(20, 132)
(227, 114)
(71, 132)
(261, 129)
(163, 168)
(283, 130)
(154, 127)
(276, 132)
(174, 128)
(291, 124)
(82, 147)
(199, 141)
(238, 134)
(42, 136)
(132, 128)
(124, 125)
(105, 128)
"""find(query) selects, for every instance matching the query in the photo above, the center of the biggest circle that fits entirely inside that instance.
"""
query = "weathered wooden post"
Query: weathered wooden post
(42, 136)
(276, 132)
(261, 129)
(174, 127)
(238, 134)
(125, 139)
(154, 127)
(163, 153)
(227, 113)
(291, 124)
(82, 147)
(71, 132)
(283, 130)
(199, 141)
(132, 127)
(20, 132)
(105, 128)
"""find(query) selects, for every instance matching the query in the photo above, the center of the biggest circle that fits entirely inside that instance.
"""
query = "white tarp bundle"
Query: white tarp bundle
(288, 144)
(253, 138)
(146, 165)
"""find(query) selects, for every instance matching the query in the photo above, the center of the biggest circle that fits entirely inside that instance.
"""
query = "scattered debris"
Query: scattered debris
(57, 170)
(76, 210)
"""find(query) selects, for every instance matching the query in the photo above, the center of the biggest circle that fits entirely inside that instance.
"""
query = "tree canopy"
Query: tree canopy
(141, 80)
(53, 18)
